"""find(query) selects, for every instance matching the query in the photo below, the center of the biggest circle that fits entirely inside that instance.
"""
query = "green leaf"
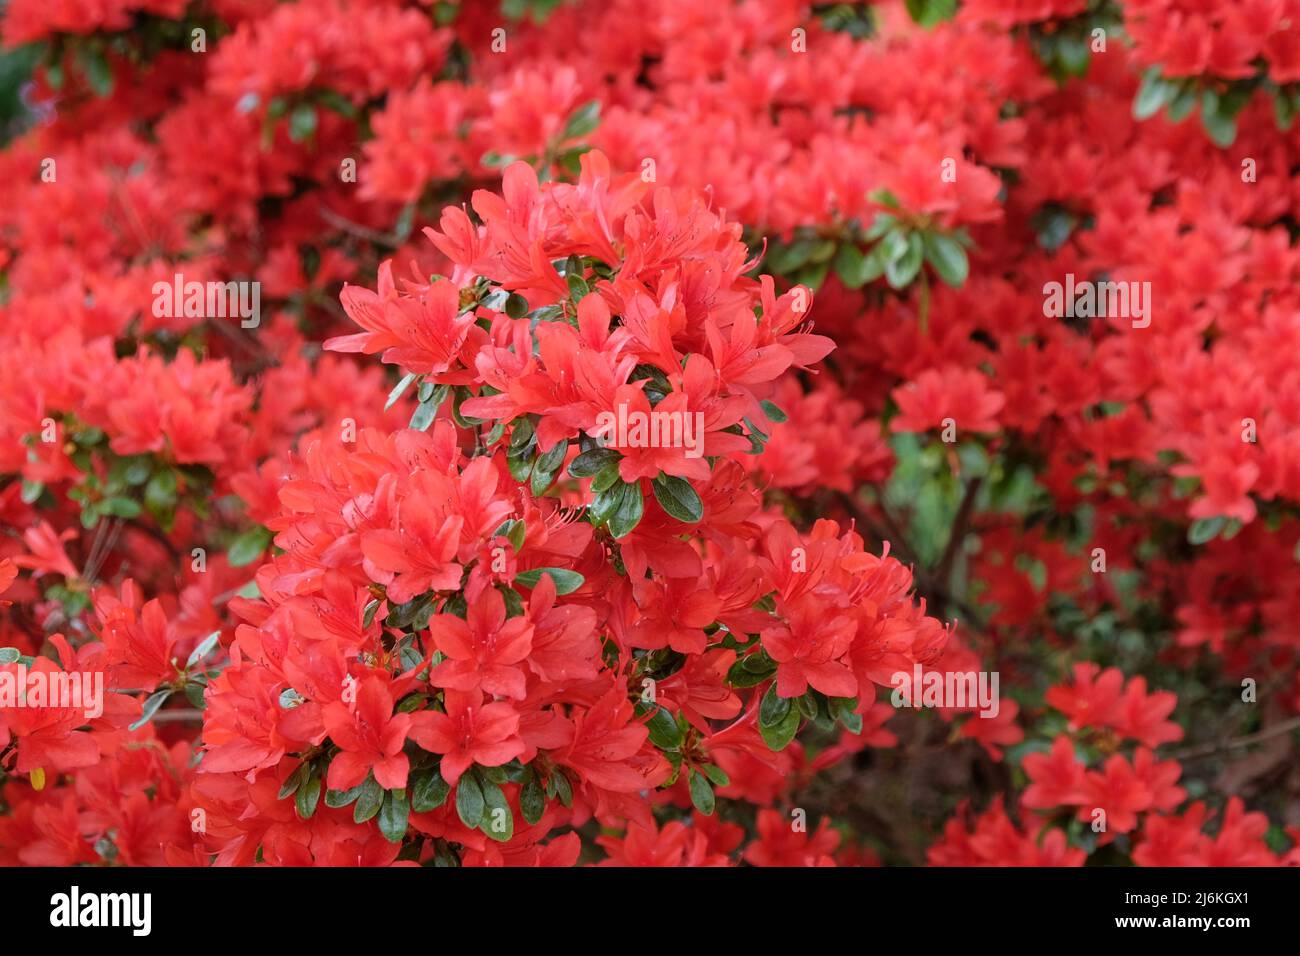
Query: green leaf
(592, 461)
(606, 479)
(773, 708)
(308, 797)
(98, 73)
(160, 494)
(151, 705)
(883, 197)
(194, 694)
(566, 581)
(203, 649)
(302, 122)
(120, 507)
(741, 676)
(717, 776)
(607, 500)
(423, 416)
(702, 794)
(513, 530)
(532, 799)
(928, 13)
(851, 266)
(1284, 110)
(393, 815)
(1206, 529)
(881, 226)
(546, 467)
(781, 731)
(1154, 93)
(469, 801)
(497, 821)
(948, 258)
(295, 780)
(399, 389)
(369, 801)
(343, 798)
(1073, 54)
(563, 789)
(516, 306)
(773, 412)
(852, 721)
(583, 120)
(665, 733)
(676, 496)
(629, 512)
(248, 547)
(902, 269)
(414, 613)
(429, 791)
(1184, 101)
(1219, 122)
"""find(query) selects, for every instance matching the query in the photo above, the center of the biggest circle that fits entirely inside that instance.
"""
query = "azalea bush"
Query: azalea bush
(554, 432)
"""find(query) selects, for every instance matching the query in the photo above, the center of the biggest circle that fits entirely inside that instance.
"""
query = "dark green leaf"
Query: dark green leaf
(429, 791)
(1153, 94)
(676, 496)
(469, 801)
(248, 546)
(532, 800)
(393, 815)
(629, 512)
(308, 797)
(151, 705)
(583, 120)
(902, 269)
(369, 800)
(294, 780)
(343, 798)
(302, 122)
(1206, 529)
(717, 776)
(702, 794)
(947, 257)
(566, 581)
(592, 461)
(497, 822)
(665, 733)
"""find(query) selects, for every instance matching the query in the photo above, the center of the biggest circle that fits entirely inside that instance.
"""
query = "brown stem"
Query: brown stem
(1206, 750)
(358, 230)
(958, 533)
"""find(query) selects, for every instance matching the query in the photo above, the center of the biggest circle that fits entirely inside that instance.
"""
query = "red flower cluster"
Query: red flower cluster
(416, 448)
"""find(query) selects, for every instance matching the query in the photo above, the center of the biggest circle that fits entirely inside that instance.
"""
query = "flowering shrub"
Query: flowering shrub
(671, 434)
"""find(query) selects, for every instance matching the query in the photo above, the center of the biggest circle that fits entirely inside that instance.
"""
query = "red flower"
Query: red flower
(370, 737)
(469, 733)
(485, 651)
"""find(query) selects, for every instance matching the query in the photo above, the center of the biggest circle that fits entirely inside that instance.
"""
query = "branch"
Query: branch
(358, 230)
(958, 533)
(1206, 750)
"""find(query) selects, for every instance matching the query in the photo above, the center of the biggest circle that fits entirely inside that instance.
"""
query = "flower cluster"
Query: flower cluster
(628, 433)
